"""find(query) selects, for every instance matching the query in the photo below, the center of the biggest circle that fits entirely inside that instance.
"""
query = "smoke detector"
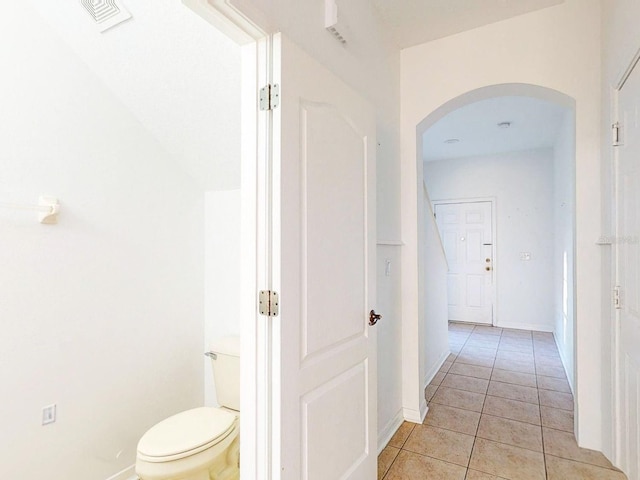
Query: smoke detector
(106, 13)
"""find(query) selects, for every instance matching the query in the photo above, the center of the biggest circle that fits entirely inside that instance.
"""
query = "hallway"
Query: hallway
(499, 408)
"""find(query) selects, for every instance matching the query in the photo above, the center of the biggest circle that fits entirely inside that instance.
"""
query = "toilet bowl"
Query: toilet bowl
(202, 443)
(198, 444)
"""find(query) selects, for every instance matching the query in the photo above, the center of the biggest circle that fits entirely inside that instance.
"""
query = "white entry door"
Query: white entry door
(466, 232)
(627, 248)
(324, 270)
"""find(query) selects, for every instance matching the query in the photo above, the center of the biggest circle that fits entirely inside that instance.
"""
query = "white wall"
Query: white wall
(389, 344)
(222, 275)
(557, 48)
(522, 185)
(103, 313)
(564, 265)
(620, 43)
(434, 348)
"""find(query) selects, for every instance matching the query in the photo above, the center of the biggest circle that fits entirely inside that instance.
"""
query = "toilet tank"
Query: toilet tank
(226, 371)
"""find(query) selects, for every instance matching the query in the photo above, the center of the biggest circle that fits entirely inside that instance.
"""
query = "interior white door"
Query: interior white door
(466, 232)
(627, 246)
(324, 269)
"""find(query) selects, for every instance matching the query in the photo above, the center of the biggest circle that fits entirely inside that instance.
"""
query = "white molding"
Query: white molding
(385, 435)
(128, 473)
(563, 359)
(414, 416)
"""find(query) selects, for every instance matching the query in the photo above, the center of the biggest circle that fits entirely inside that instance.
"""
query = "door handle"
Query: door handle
(374, 317)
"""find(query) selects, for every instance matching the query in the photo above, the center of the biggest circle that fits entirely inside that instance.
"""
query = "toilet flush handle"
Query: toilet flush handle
(211, 355)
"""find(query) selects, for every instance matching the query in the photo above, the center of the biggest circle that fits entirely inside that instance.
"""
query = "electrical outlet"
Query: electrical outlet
(48, 414)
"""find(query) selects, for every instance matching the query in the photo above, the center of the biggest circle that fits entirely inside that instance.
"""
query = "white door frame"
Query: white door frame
(256, 359)
(618, 423)
(494, 257)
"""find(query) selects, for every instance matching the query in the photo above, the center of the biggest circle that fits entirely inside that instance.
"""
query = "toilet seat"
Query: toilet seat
(185, 434)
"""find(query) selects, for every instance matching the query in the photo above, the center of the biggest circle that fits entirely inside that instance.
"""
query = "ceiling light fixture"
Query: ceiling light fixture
(504, 125)
(452, 140)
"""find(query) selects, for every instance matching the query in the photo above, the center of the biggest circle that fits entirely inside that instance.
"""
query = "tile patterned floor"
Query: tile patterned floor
(500, 408)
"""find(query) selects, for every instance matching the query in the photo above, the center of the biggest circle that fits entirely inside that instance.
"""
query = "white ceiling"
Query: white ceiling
(534, 124)
(178, 76)
(412, 22)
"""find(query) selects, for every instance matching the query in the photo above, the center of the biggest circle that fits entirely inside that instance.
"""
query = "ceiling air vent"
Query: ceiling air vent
(106, 13)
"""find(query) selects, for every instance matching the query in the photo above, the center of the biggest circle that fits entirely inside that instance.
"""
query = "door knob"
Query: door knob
(374, 317)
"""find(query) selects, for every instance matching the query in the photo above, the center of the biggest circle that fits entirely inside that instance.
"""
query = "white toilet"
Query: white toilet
(201, 443)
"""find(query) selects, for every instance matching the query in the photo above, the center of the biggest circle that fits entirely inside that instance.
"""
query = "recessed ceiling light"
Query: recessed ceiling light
(504, 124)
(452, 140)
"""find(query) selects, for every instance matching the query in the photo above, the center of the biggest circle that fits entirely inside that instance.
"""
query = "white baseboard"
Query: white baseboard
(563, 359)
(389, 429)
(415, 416)
(538, 327)
(434, 370)
(128, 473)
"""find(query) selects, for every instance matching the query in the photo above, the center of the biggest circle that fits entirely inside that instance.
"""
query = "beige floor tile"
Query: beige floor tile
(459, 399)
(477, 356)
(451, 418)
(512, 409)
(563, 444)
(470, 384)
(556, 384)
(453, 447)
(437, 379)
(411, 466)
(516, 342)
(519, 356)
(471, 370)
(455, 348)
(429, 392)
(452, 357)
(445, 366)
(476, 475)
(556, 372)
(516, 378)
(549, 398)
(507, 461)
(556, 418)
(511, 432)
(487, 330)
(509, 347)
(515, 333)
(401, 434)
(462, 327)
(484, 341)
(385, 459)
(514, 392)
(561, 469)
(514, 365)
(549, 362)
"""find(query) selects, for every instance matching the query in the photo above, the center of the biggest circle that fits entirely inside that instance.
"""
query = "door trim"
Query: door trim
(256, 353)
(618, 423)
(494, 262)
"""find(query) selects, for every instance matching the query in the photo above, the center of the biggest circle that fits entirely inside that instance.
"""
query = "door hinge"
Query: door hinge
(617, 300)
(269, 303)
(269, 97)
(615, 134)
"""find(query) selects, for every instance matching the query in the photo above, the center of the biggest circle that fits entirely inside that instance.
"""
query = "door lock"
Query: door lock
(374, 317)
